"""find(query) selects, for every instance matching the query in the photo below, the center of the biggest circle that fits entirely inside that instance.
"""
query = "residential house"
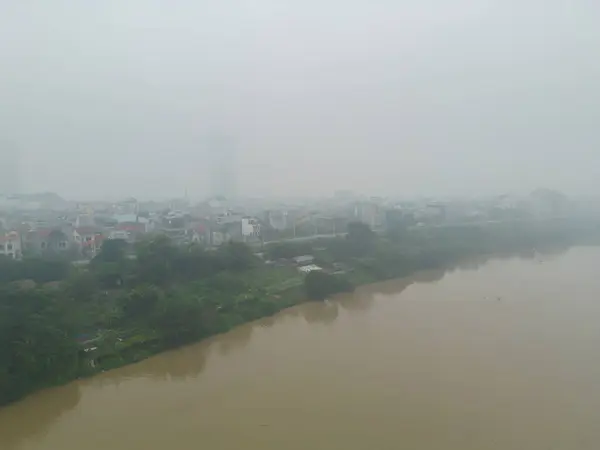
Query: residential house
(304, 260)
(119, 234)
(10, 245)
(309, 268)
(88, 239)
(47, 240)
(128, 231)
(129, 218)
(250, 229)
(199, 233)
(226, 227)
(174, 225)
(84, 220)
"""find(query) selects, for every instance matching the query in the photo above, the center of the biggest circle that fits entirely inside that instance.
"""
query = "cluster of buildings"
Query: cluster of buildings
(38, 224)
(77, 230)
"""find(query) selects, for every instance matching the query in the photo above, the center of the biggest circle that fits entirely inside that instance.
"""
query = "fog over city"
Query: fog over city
(120, 98)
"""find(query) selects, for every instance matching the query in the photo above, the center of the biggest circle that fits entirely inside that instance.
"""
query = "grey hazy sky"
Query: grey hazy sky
(115, 97)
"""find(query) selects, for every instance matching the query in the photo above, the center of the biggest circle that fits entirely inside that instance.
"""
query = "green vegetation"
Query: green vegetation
(321, 285)
(59, 322)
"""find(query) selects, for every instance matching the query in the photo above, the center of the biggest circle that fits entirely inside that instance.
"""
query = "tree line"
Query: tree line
(127, 304)
(59, 322)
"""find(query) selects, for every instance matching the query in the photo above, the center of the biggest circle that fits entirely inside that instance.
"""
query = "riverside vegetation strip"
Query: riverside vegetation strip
(58, 322)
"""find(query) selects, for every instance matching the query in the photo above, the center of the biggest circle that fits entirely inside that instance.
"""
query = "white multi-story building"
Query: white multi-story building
(250, 227)
(10, 245)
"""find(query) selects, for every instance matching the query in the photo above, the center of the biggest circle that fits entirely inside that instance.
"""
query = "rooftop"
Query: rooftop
(303, 259)
(309, 268)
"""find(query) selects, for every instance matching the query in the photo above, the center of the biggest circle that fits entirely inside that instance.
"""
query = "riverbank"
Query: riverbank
(434, 351)
(122, 311)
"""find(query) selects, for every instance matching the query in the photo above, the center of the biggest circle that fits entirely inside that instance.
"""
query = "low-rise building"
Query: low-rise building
(304, 260)
(250, 228)
(199, 233)
(309, 268)
(89, 240)
(128, 231)
(47, 240)
(10, 245)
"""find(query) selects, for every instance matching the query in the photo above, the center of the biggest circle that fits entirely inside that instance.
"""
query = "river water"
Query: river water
(494, 354)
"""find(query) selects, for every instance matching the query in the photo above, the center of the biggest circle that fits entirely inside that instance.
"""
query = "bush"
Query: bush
(287, 250)
(320, 285)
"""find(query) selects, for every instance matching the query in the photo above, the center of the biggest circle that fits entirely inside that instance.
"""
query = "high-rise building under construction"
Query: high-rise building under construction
(9, 169)
(221, 159)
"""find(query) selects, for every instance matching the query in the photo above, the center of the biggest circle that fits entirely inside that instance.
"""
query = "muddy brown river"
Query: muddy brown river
(494, 354)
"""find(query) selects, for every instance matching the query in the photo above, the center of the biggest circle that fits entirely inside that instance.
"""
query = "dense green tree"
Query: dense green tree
(155, 259)
(37, 332)
(179, 317)
(82, 285)
(361, 238)
(112, 251)
(320, 285)
(196, 263)
(236, 256)
(128, 309)
(141, 301)
(287, 250)
(36, 269)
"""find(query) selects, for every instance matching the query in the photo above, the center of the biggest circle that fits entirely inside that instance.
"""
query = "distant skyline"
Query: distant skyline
(112, 99)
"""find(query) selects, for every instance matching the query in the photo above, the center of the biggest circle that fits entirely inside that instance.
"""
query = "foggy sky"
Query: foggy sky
(114, 98)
